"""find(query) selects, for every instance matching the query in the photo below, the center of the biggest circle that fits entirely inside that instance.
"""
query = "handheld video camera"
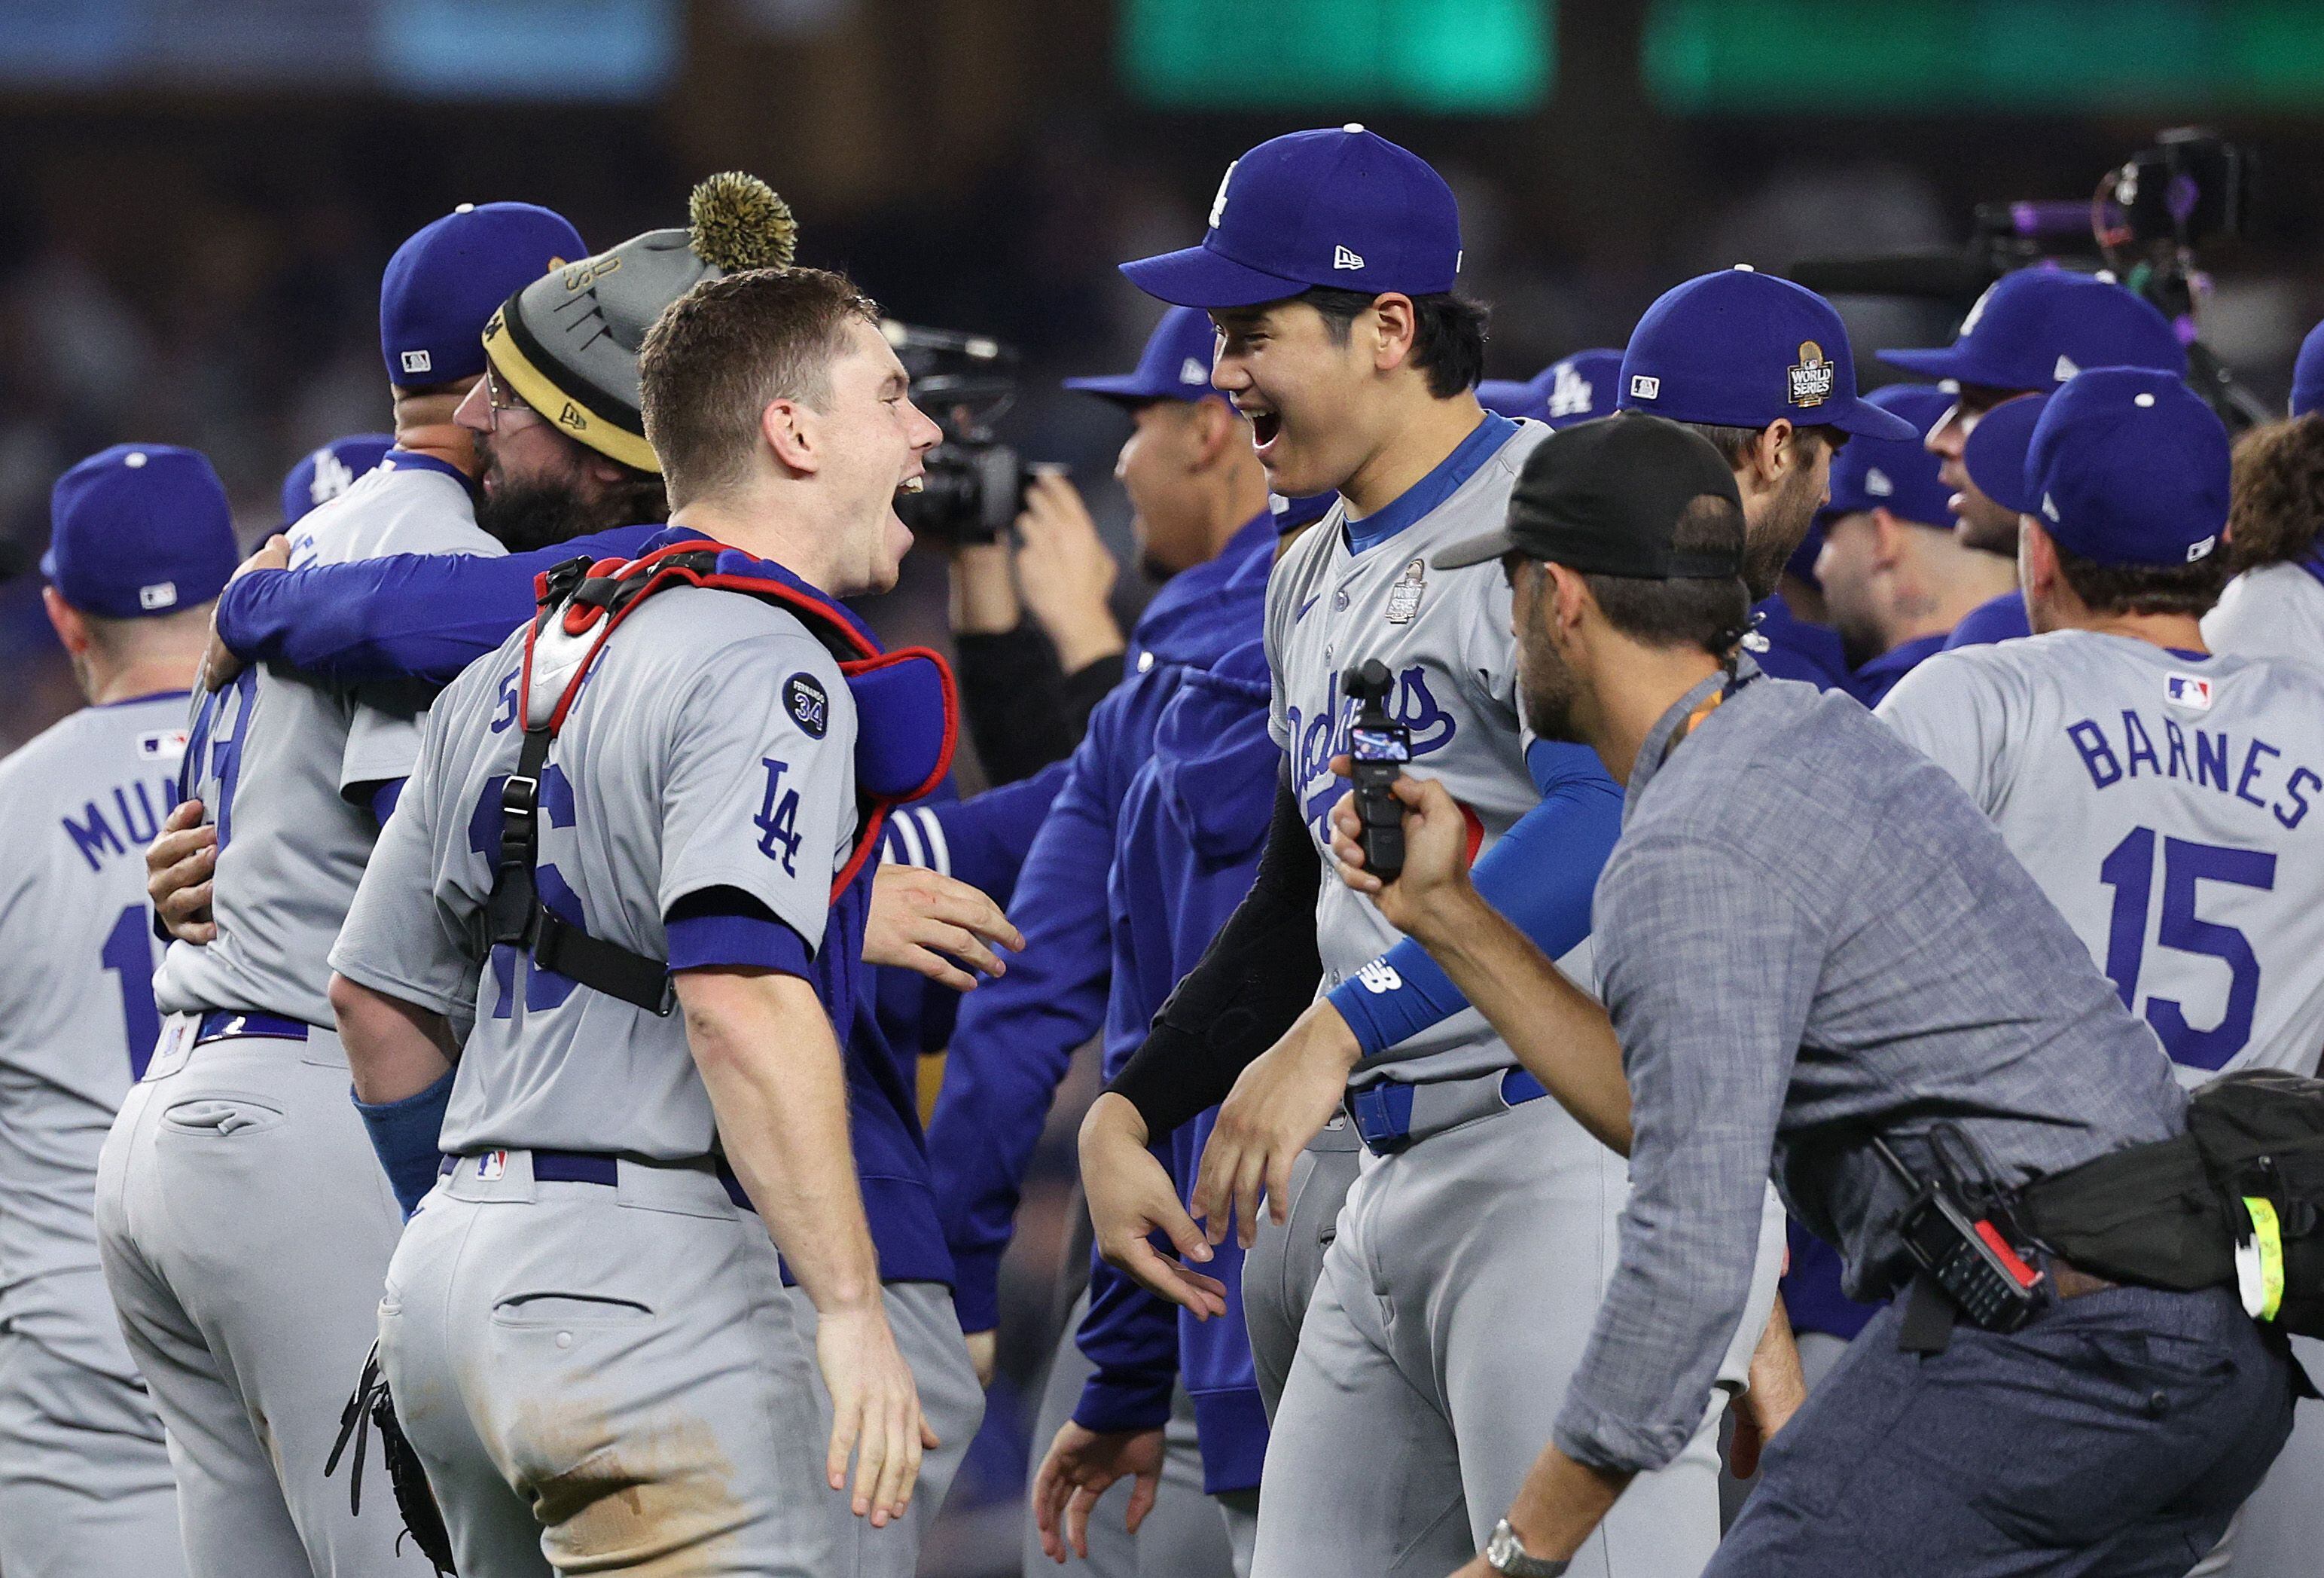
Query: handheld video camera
(973, 485)
(1379, 748)
(2142, 224)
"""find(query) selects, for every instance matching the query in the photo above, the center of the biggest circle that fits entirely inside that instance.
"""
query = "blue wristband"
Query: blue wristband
(404, 1134)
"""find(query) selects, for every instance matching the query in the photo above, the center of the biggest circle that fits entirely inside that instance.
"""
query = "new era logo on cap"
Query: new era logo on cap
(1191, 371)
(1341, 258)
(2188, 690)
(2202, 550)
(2065, 368)
(417, 361)
(1877, 482)
(1644, 388)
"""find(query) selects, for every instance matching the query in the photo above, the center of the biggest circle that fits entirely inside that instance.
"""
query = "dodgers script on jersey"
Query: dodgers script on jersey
(1444, 635)
(77, 806)
(282, 763)
(2172, 806)
(712, 746)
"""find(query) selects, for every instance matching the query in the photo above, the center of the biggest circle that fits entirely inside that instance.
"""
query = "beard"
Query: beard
(1781, 526)
(525, 515)
(1546, 690)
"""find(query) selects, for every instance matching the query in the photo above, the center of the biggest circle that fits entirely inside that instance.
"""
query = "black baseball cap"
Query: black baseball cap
(1605, 498)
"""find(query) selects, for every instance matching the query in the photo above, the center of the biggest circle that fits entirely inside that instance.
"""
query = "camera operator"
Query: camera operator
(2275, 607)
(1780, 1005)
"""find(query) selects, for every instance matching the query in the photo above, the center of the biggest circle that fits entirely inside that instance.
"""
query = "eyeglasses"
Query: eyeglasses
(506, 403)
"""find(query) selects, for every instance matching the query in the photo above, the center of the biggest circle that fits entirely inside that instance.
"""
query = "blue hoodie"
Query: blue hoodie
(1188, 841)
(1016, 1036)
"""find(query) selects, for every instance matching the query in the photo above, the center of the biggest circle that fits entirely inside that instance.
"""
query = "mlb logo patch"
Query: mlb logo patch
(417, 361)
(2189, 691)
(492, 1164)
(159, 594)
(161, 745)
(1642, 387)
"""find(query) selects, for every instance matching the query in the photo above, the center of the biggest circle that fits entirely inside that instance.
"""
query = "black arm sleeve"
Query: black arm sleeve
(1257, 975)
(1013, 700)
(1087, 686)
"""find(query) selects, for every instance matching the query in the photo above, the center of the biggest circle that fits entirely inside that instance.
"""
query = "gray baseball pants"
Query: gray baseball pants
(606, 1380)
(1454, 1305)
(86, 1490)
(246, 1228)
(927, 1333)
(1280, 1271)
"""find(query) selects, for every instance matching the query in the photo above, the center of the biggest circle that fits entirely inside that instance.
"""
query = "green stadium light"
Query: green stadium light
(2151, 57)
(1440, 57)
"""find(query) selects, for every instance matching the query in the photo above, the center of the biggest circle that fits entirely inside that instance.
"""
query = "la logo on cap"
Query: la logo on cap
(1569, 394)
(1811, 378)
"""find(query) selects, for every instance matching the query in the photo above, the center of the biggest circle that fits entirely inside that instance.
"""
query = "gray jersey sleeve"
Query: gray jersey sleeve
(399, 938)
(1955, 710)
(756, 793)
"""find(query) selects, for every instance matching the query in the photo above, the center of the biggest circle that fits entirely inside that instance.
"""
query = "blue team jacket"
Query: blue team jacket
(1015, 1035)
(1190, 833)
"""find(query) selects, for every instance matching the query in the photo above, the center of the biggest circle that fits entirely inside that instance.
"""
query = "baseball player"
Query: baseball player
(1895, 575)
(2029, 330)
(1329, 267)
(323, 475)
(2274, 606)
(244, 1230)
(1573, 389)
(585, 1326)
(2156, 791)
(142, 540)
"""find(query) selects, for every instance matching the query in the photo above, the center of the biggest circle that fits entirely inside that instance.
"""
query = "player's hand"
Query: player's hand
(178, 867)
(1080, 1466)
(1435, 877)
(220, 664)
(1776, 1387)
(923, 920)
(981, 1353)
(875, 1413)
(1279, 1103)
(1064, 574)
(1130, 1199)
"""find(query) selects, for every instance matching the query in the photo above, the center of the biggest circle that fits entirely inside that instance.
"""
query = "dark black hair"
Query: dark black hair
(1448, 332)
(2190, 588)
(1708, 614)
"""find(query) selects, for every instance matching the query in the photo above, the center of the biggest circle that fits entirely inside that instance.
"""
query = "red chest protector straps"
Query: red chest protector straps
(907, 720)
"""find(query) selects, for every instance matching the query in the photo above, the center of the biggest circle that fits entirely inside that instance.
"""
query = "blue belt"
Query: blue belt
(221, 1023)
(1382, 1111)
(598, 1167)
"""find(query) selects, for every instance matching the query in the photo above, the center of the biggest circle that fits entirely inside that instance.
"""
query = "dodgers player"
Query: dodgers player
(2275, 607)
(245, 1228)
(142, 540)
(2031, 330)
(324, 473)
(585, 1326)
(1329, 267)
(2159, 793)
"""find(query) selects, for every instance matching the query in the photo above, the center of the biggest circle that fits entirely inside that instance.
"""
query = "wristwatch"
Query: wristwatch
(1505, 1555)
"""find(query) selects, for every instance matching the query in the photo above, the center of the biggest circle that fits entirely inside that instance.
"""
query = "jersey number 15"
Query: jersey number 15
(2129, 870)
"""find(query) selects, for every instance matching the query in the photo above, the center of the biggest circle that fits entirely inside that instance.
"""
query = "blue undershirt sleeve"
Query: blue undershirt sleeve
(404, 1135)
(1541, 875)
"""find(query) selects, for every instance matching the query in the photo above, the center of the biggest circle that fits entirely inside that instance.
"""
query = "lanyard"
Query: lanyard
(1702, 709)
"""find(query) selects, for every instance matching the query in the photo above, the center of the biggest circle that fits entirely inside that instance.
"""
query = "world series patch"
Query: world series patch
(1403, 597)
(1812, 380)
(810, 707)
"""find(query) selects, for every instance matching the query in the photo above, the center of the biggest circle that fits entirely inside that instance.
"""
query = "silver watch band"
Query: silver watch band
(1505, 1555)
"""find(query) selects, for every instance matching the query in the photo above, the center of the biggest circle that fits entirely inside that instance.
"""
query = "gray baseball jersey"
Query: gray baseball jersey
(1444, 635)
(77, 806)
(2172, 806)
(2276, 611)
(281, 762)
(712, 746)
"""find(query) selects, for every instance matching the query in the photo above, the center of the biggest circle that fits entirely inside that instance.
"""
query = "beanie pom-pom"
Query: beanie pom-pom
(737, 221)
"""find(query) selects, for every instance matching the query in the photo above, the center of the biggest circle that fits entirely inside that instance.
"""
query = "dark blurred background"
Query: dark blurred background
(196, 197)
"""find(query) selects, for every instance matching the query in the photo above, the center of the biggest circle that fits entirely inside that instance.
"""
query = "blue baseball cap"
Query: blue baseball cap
(2130, 466)
(1895, 474)
(330, 471)
(2039, 327)
(1576, 388)
(1994, 452)
(138, 530)
(2308, 374)
(445, 283)
(1343, 206)
(1739, 349)
(1174, 366)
